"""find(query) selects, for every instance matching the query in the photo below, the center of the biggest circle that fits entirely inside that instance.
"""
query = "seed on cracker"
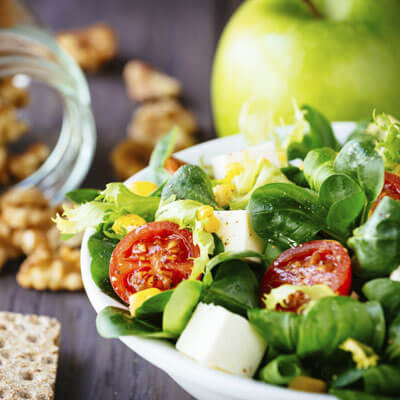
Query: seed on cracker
(29, 347)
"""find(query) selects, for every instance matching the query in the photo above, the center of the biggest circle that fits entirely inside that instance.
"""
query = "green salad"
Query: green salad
(279, 262)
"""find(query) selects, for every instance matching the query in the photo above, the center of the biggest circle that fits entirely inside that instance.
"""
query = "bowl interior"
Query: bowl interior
(162, 353)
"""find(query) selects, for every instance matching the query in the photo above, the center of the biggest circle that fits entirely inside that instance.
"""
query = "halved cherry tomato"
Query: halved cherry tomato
(155, 255)
(312, 263)
(391, 188)
(173, 164)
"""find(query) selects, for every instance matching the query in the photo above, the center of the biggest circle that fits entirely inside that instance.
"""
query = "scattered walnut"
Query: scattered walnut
(11, 128)
(26, 208)
(91, 47)
(4, 172)
(11, 94)
(153, 120)
(129, 157)
(25, 164)
(58, 271)
(143, 82)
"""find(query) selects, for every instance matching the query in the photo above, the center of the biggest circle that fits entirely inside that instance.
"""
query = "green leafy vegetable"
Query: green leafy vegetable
(113, 322)
(295, 175)
(377, 242)
(392, 351)
(161, 152)
(279, 329)
(152, 309)
(80, 196)
(357, 395)
(190, 182)
(281, 370)
(100, 249)
(285, 214)
(235, 287)
(387, 293)
(311, 131)
(360, 160)
(331, 321)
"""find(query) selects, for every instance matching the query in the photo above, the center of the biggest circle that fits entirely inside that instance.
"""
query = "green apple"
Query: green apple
(340, 56)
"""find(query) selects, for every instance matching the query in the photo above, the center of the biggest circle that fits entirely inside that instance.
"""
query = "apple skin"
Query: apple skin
(345, 64)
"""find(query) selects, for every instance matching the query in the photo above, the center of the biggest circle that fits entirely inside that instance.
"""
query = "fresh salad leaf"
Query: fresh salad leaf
(282, 370)
(387, 293)
(184, 213)
(377, 242)
(330, 321)
(152, 309)
(271, 253)
(100, 249)
(311, 131)
(235, 287)
(358, 395)
(161, 152)
(360, 160)
(392, 351)
(286, 215)
(295, 175)
(279, 329)
(80, 196)
(113, 322)
(128, 202)
(228, 256)
(190, 182)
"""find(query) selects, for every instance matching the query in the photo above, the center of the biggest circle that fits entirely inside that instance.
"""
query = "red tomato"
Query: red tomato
(317, 262)
(391, 188)
(173, 164)
(155, 255)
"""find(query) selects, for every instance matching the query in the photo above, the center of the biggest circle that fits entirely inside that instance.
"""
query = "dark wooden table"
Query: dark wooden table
(179, 36)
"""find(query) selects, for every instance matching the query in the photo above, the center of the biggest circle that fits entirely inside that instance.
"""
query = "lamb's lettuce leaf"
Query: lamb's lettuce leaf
(161, 152)
(79, 196)
(342, 394)
(235, 287)
(190, 182)
(377, 242)
(282, 370)
(392, 351)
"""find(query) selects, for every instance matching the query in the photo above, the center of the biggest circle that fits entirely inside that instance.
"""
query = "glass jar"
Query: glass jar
(28, 51)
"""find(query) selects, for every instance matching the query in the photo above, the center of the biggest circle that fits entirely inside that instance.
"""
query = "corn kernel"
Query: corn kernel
(205, 212)
(127, 223)
(223, 193)
(212, 224)
(138, 298)
(233, 169)
(142, 188)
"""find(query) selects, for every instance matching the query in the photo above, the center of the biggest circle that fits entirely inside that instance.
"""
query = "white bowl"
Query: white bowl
(202, 383)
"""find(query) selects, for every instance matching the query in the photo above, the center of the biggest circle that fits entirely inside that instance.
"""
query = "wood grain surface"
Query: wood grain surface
(178, 36)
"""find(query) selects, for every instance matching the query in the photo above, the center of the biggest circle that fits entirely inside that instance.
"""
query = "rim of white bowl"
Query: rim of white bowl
(162, 353)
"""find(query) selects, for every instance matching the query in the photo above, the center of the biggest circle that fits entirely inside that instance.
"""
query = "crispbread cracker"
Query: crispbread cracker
(29, 347)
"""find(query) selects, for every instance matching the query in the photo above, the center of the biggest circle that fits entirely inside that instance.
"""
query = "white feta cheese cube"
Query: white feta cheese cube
(219, 339)
(236, 232)
(265, 150)
(395, 275)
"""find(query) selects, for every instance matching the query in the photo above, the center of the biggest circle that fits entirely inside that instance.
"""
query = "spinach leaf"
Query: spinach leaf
(337, 192)
(152, 309)
(113, 322)
(360, 160)
(295, 175)
(279, 329)
(190, 182)
(271, 253)
(377, 242)
(227, 256)
(80, 196)
(100, 249)
(282, 370)
(161, 152)
(285, 214)
(357, 395)
(330, 322)
(319, 134)
(383, 379)
(392, 351)
(235, 287)
(387, 293)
